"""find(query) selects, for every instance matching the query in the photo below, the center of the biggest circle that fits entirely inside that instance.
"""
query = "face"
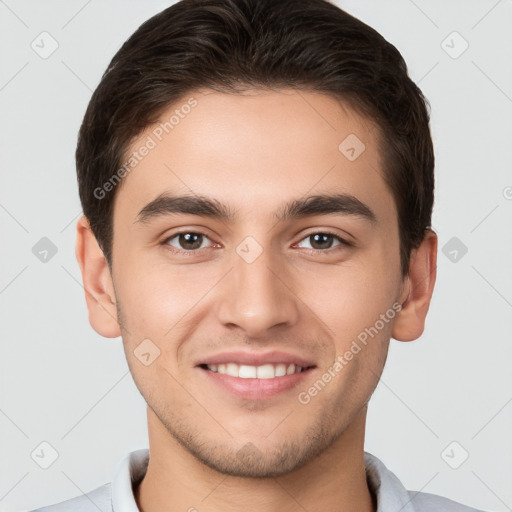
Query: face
(246, 275)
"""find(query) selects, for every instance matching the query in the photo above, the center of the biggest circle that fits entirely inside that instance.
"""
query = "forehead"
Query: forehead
(256, 150)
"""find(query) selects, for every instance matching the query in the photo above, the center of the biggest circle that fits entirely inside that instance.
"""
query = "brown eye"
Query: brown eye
(322, 241)
(186, 241)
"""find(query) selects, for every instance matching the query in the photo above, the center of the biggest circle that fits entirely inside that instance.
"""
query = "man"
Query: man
(257, 186)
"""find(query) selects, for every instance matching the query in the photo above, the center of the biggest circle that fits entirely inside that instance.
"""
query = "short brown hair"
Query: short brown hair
(228, 45)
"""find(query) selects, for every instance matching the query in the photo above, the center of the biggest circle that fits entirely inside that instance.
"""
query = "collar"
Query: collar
(390, 494)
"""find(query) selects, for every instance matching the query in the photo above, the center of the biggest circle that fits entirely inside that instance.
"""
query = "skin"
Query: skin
(254, 152)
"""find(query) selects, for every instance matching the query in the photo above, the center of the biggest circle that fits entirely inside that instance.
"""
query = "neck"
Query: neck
(176, 481)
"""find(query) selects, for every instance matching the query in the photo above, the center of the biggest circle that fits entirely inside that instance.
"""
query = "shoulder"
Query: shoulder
(426, 502)
(389, 490)
(96, 500)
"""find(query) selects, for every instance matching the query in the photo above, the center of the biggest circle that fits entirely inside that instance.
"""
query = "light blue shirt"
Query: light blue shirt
(117, 496)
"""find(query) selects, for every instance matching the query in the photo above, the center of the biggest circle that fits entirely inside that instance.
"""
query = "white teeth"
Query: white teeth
(280, 370)
(232, 369)
(246, 372)
(266, 371)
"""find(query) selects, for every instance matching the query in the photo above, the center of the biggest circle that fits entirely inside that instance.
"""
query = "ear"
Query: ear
(417, 291)
(97, 280)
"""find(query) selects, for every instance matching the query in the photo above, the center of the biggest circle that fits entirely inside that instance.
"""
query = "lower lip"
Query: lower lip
(256, 389)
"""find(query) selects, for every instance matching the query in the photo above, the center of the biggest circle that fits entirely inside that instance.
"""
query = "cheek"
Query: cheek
(357, 307)
(349, 298)
(157, 296)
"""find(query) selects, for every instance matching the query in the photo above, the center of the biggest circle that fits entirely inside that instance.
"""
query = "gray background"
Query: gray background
(64, 384)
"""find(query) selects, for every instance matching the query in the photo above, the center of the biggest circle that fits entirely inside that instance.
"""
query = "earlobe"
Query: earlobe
(97, 282)
(418, 288)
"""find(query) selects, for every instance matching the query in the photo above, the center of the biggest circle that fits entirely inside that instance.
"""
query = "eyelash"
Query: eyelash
(342, 241)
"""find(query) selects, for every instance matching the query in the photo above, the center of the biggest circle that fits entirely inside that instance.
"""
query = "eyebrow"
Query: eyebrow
(322, 204)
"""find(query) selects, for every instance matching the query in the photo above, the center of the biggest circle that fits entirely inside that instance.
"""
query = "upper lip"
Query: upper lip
(256, 358)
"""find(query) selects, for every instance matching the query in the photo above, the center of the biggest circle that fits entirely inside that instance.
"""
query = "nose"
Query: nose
(257, 296)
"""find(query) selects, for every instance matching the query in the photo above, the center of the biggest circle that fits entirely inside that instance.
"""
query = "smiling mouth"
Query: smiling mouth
(265, 371)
